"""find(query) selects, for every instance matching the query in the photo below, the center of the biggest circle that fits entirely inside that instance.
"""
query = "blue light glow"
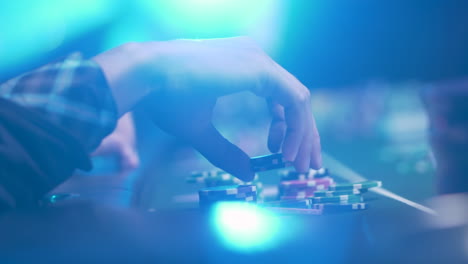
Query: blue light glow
(33, 28)
(246, 227)
(209, 16)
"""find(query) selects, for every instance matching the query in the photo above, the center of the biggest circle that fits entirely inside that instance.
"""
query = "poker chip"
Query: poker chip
(320, 173)
(195, 180)
(227, 190)
(221, 196)
(295, 211)
(358, 185)
(303, 189)
(336, 193)
(337, 199)
(300, 189)
(232, 193)
(303, 203)
(306, 183)
(215, 178)
(294, 175)
(247, 199)
(296, 197)
(223, 183)
(268, 162)
(311, 193)
(335, 208)
(237, 197)
(305, 193)
(289, 175)
(204, 174)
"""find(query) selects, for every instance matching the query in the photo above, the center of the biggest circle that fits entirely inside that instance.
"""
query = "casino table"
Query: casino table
(82, 232)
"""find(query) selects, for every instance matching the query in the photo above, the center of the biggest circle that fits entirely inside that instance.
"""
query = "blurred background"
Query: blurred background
(364, 61)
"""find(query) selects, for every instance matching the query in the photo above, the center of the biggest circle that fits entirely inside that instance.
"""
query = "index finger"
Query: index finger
(222, 153)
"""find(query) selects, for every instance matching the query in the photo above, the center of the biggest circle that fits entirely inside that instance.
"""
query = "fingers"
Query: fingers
(277, 127)
(288, 92)
(316, 151)
(302, 142)
(295, 131)
(222, 153)
(129, 157)
(302, 162)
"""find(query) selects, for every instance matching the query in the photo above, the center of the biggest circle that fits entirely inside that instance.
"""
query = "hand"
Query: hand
(121, 143)
(181, 80)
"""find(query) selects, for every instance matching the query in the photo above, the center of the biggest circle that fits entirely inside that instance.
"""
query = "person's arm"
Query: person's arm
(179, 81)
(72, 94)
(50, 120)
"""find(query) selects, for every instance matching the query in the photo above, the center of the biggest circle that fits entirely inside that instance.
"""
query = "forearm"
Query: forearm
(127, 73)
(72, 94)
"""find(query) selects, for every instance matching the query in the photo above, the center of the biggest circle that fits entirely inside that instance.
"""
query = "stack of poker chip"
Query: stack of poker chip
(301, 189)
(314, 192)
(233, 193)
(218, 178)
(213, 178)
(288, 175)
(343, 197)
(330, 198)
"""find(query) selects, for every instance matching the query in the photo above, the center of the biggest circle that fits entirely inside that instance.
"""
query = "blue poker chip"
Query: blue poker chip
(227, 190)
(304, 203)
(227, 197)
(356, 185)
(352, 198)
(336, 193)
(339, 207)
(247, 199)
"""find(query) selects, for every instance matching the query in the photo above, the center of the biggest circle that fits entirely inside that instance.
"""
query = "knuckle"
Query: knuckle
(306, 95)
(303, 97)
(131, 46)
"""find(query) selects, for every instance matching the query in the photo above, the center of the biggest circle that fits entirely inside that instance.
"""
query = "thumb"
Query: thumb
(129, 157)
(222, 153)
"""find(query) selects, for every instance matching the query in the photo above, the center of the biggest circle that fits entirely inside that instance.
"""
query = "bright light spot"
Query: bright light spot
(217, 18)
(246, 227)
(38, 27)
(126, 30)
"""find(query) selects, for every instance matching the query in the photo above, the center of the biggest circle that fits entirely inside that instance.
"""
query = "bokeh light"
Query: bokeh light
(262, 20)
(246, 227)
(37, 27)
(210, 16)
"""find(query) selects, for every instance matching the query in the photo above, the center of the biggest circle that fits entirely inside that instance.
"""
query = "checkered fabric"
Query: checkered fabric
(72, 94)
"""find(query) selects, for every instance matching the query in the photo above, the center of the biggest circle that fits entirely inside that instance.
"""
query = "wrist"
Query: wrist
(130, 72)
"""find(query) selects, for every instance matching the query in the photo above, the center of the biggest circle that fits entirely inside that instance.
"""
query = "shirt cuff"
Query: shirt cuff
(72, 94)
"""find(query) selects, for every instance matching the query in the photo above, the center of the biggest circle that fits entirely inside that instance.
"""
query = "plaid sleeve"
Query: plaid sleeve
(72, 94)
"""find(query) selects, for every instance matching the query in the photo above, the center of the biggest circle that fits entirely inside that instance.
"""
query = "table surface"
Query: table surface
(84, 232)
